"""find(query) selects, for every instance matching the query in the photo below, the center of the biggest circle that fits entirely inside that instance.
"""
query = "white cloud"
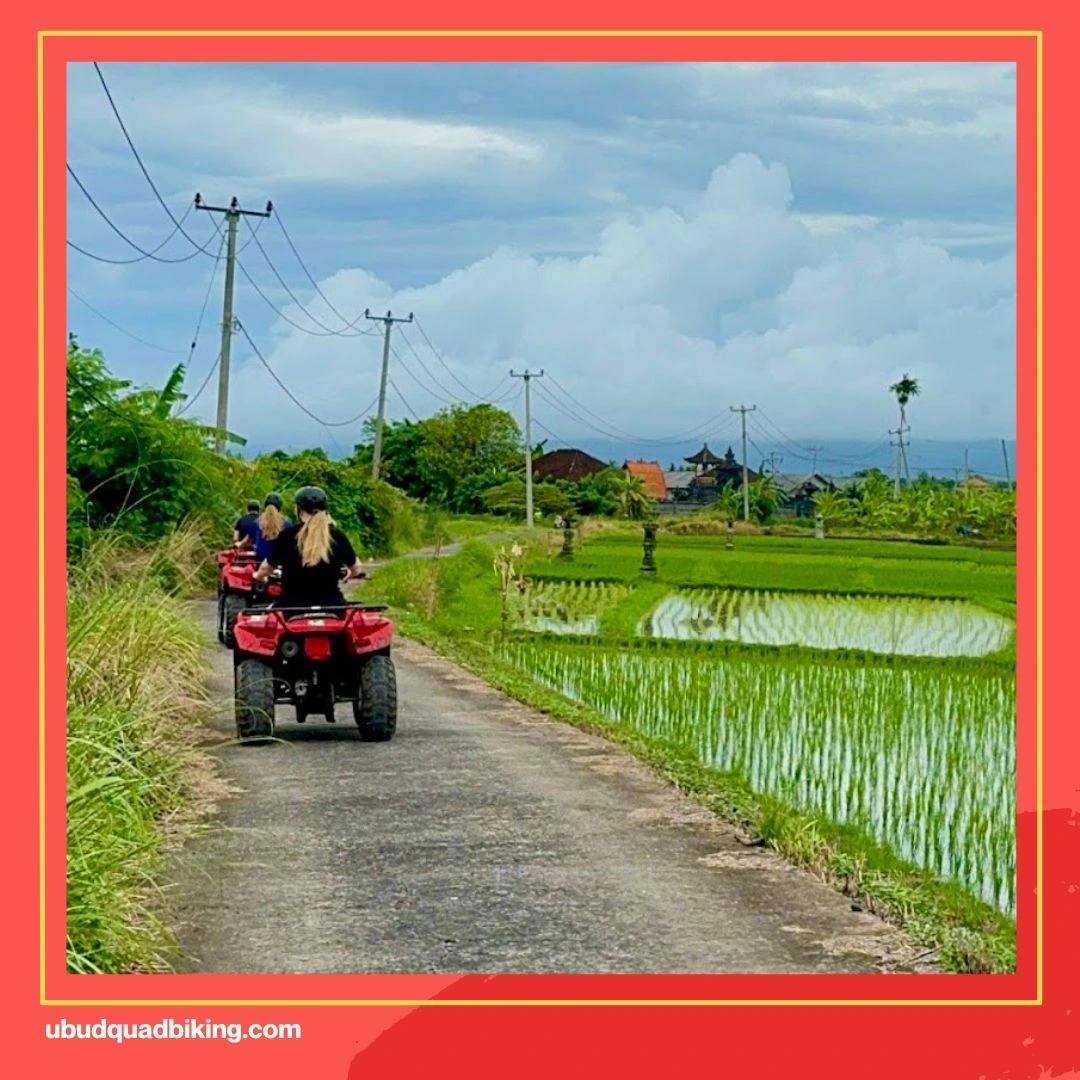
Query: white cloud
(263, 136)
(677, 313)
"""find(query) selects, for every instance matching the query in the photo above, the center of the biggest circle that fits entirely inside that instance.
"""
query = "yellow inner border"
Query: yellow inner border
(43, 999)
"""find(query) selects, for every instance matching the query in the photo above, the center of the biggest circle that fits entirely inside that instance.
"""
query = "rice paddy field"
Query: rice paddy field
(871, 683)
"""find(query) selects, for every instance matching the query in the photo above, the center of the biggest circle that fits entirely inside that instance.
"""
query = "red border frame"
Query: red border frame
(464, 1024)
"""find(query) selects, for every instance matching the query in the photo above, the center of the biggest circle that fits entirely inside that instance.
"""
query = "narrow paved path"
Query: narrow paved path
(485, 838)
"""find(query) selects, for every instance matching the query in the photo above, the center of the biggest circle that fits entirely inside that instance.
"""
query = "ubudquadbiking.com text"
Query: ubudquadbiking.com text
(113, 1031)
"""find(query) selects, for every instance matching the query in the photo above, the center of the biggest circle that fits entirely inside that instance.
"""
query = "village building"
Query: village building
(713, 473)
(651, 476)
(567, 464)
(797, 490)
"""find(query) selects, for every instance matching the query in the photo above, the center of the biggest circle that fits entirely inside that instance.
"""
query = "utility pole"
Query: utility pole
(388, 321)
(528, 375)
(814, 450)
(232, 213)
(900, 455)
(774, 460)
(967, 471)
(1005, 455)
(744, 409)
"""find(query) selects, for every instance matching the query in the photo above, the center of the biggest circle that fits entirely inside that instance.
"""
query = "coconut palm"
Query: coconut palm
(905, 389)
(633, 499)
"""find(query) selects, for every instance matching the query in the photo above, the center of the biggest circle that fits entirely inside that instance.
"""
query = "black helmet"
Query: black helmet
(273, 499)
(311, 499)
(253, 507)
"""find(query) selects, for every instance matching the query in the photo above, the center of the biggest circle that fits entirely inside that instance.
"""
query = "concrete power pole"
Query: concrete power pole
(1005, 455)
(901, 457)
(388, 321)
(528, 376)
(744, 409)
(232, 213)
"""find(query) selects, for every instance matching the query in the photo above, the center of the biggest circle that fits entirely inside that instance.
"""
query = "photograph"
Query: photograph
(541, 518)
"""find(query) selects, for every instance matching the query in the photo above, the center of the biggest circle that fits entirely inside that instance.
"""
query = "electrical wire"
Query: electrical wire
(401, 397)
(139, 161)
(452, 398)
(303, 266)
(290, 395)
(116, 326)
(206, 382)
(618, 433)
(295, 299)
(206, 301)
(143, 253)
(449, 370)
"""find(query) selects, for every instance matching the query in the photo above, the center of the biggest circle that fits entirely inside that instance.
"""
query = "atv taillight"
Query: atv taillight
(317, 648)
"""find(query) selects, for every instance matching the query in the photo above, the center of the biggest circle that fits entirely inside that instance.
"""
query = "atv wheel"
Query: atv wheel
(254, 680)
(375, 710)
(231, 606)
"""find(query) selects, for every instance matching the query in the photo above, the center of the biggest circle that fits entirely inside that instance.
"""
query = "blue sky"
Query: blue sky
(664, 240)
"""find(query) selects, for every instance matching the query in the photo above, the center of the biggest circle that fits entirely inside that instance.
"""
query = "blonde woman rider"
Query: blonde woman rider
(315, 556)
(272, 523)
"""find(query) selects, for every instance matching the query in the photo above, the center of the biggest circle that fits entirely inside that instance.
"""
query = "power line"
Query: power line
(667, 440)
(303, 266)
(139, 161)
(427, 389)
(127, 333)
(401, 397)
(202, 310)
(295, 299)
(456, 398)
(205, 383)
(143, 253)
(449, 370)
(291, 396)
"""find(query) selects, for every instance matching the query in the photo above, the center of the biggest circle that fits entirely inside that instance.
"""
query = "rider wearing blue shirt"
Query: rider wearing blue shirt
(246, 529)
(270, 525)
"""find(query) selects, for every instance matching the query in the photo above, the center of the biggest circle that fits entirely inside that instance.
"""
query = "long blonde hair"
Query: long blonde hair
(314, 539)
(271, 522)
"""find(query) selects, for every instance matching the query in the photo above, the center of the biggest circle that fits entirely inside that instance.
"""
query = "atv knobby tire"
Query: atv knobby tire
(376, 709)
(231, 606)
(254, 681)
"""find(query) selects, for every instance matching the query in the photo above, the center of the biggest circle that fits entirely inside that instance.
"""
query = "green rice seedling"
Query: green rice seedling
(571, 607)
(896, 625)
(922, 760)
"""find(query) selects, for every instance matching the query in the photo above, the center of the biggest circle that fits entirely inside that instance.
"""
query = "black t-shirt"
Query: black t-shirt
(303, 586)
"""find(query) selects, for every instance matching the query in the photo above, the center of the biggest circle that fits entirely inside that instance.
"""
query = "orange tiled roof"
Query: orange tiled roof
(651, 475)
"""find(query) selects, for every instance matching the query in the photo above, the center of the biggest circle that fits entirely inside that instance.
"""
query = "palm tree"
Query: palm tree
(905, 390)
(630, 493)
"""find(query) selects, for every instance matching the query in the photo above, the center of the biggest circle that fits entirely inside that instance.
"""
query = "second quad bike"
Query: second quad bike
(236, 588)
(313, 658)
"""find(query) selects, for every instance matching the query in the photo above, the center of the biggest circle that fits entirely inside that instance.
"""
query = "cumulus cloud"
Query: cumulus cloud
(675, 313)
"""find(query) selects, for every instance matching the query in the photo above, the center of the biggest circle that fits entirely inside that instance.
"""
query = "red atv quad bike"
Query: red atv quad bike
(313, 658)
(236, 589)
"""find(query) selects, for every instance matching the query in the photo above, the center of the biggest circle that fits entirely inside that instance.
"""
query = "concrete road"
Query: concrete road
(486, 838)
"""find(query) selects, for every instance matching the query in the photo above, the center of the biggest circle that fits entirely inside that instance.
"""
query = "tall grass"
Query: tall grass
(134, 773)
